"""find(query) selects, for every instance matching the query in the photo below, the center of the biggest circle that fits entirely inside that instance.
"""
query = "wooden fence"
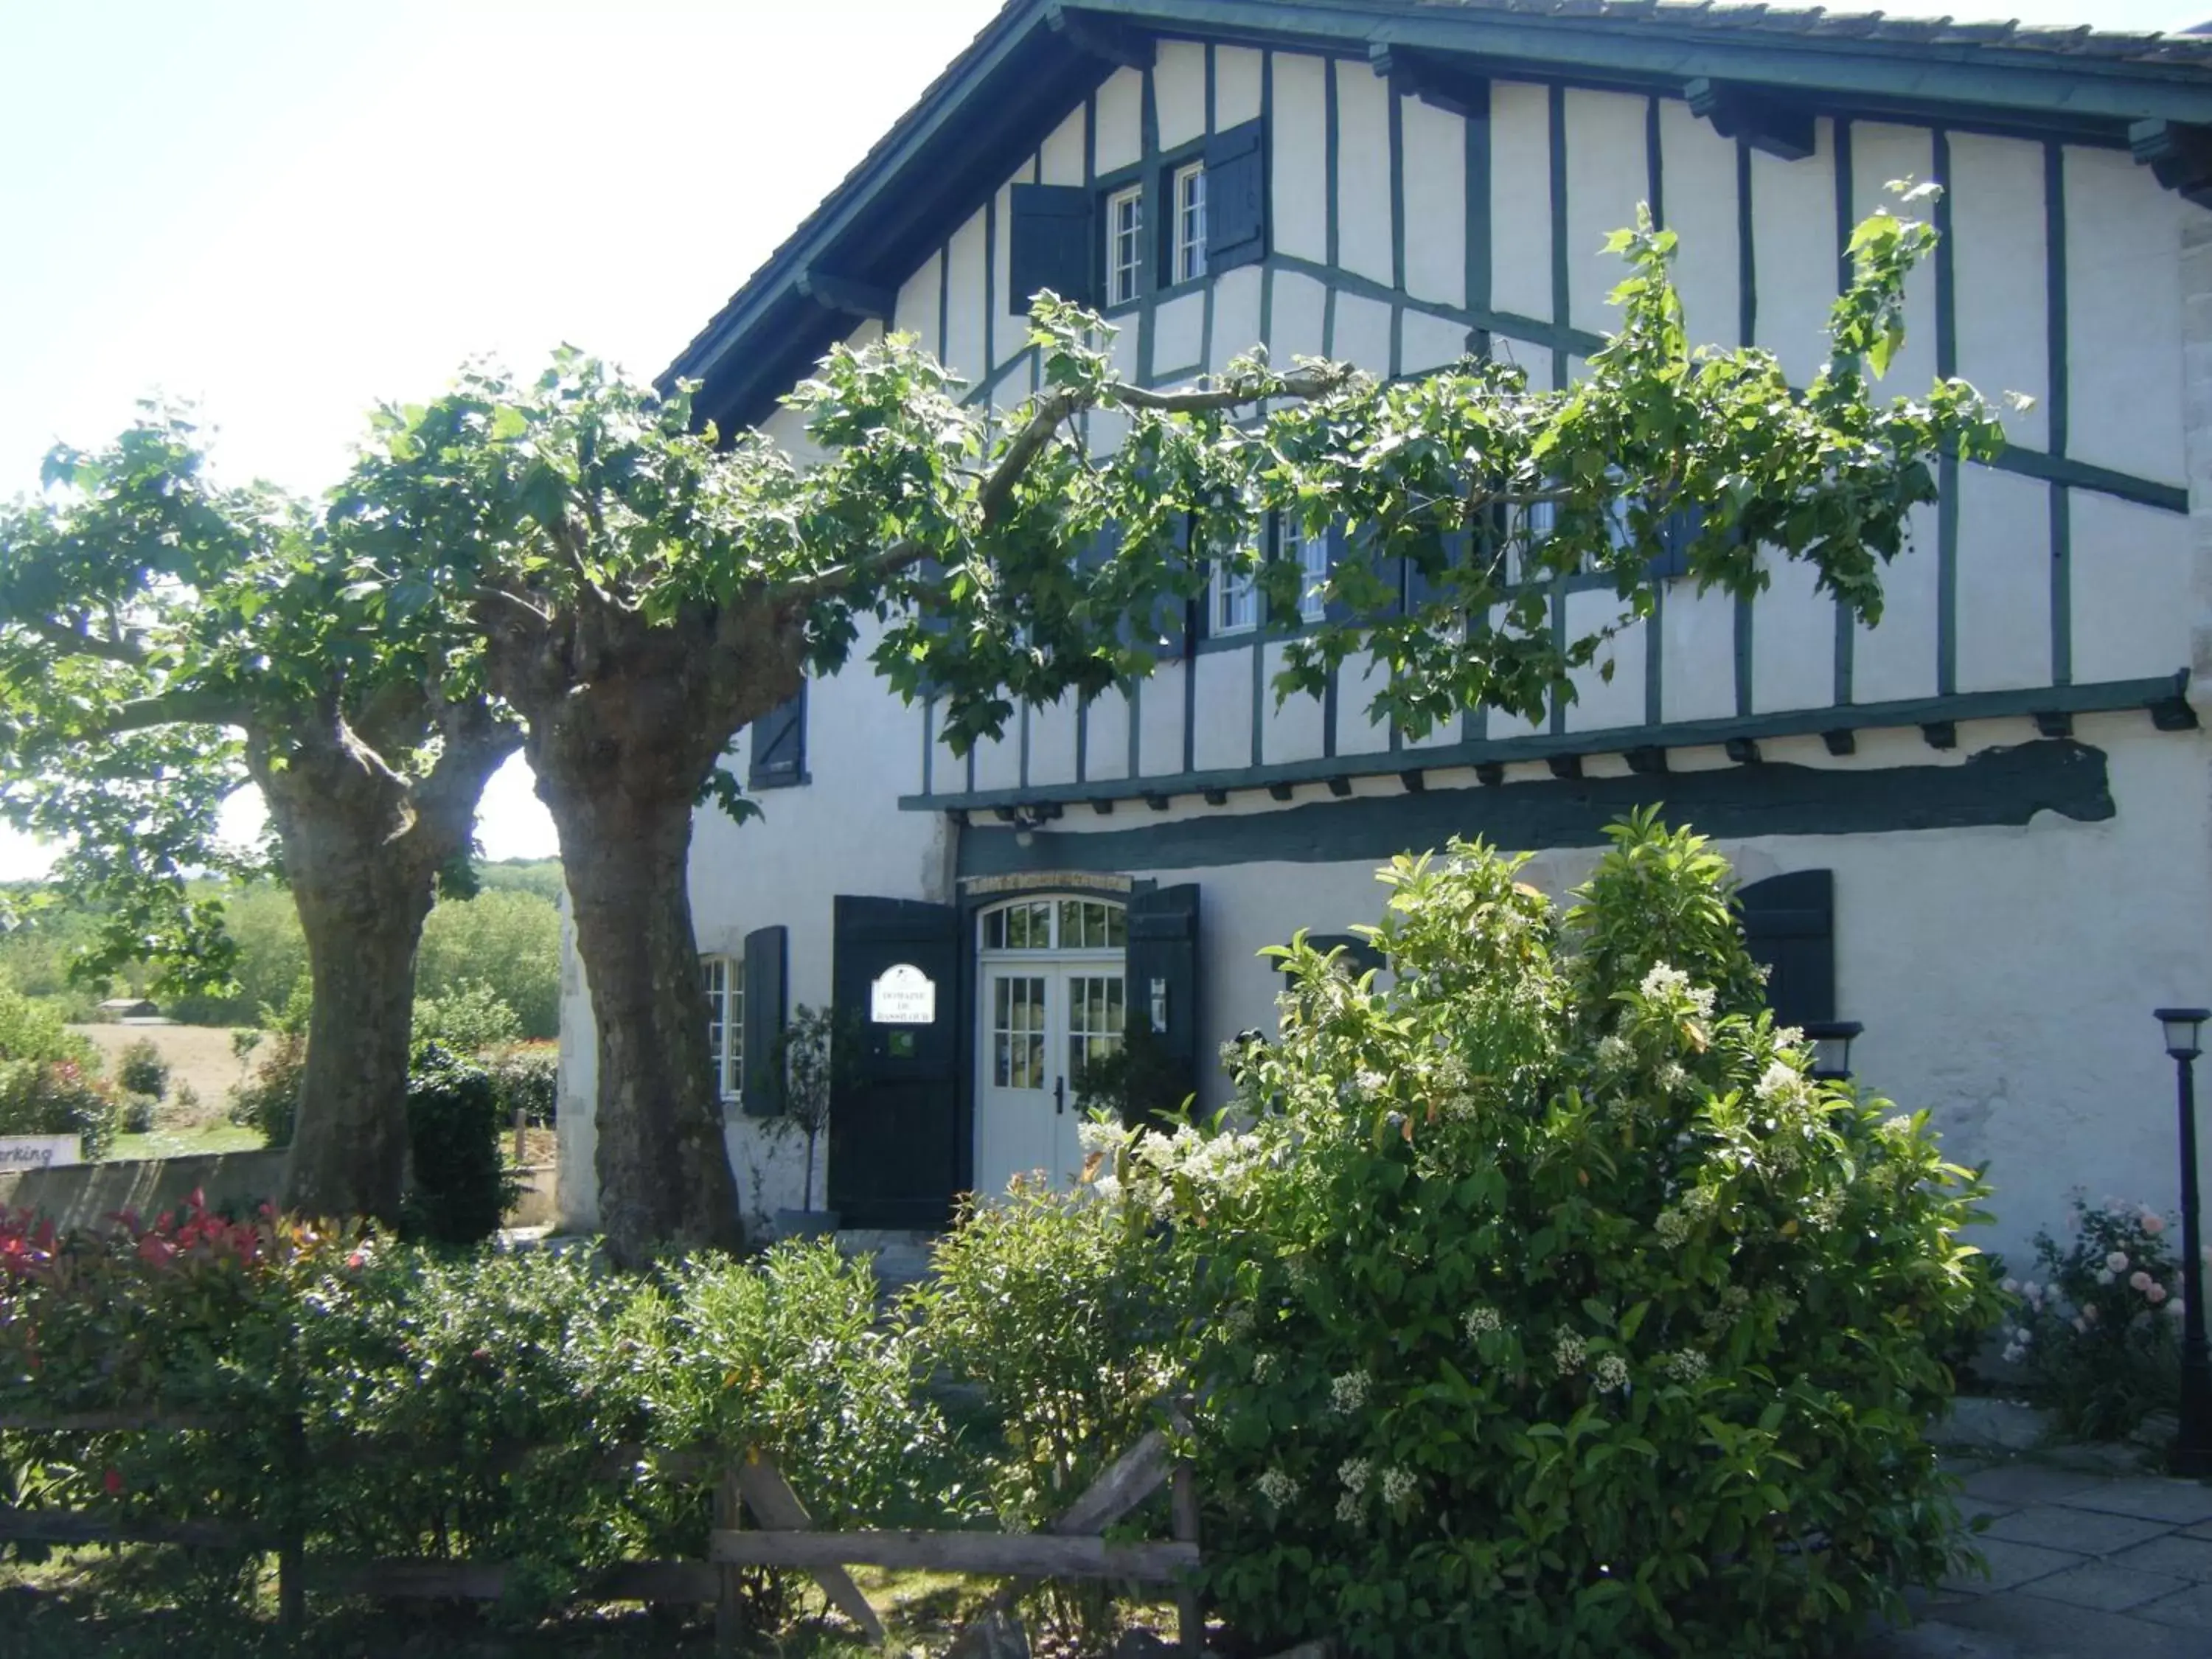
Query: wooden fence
(746, 1483)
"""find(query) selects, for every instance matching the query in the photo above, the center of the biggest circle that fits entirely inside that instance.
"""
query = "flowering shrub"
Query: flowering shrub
(2096, 1330)
(57, 1098)
(1553, 1308)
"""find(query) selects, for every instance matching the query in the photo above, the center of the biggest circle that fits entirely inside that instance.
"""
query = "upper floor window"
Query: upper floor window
(726, 1023)
(1190, 223)
(1313, 576)
(1125, 245)
(1232, 602)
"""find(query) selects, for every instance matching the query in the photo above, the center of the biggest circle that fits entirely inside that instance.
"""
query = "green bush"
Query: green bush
(136, 1115)
(268, 1101)
(460, 1187)
(455, 1405)
(32, 1028)
(506, 938)
(469, 1019)
(528, 1077)
(1552, 1309)
(2096, 1332)
(56, 1098)
(140, 1069)
(1053, 1308)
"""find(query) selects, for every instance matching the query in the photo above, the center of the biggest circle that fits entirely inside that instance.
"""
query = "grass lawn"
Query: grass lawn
(184, 1140)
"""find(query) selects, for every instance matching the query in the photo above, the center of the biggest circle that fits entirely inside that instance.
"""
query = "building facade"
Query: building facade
(1982, 829)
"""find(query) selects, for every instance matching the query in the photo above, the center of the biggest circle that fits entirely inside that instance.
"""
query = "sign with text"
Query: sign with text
(38, 1152)
(903, 995)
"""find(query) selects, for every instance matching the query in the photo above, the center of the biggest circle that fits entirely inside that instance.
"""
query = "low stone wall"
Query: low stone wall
(82, 1194)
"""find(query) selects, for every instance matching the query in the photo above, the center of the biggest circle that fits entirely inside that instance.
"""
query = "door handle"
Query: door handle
(1058, 1096)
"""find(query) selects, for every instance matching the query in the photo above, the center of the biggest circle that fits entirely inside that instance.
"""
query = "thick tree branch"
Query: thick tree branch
(78, 643)
(193, 706)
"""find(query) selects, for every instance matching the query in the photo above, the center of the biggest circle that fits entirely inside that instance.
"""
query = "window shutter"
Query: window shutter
(1052, 246)
(1236, 198)
(1790, 925)
(1175, 616)
(1680, 529)
(1162, 964)
(765, 951)
(779, 755)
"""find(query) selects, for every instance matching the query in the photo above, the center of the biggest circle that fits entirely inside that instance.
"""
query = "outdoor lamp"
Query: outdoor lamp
(1831, 1048)
(2183, 1027)
(2193, 1448)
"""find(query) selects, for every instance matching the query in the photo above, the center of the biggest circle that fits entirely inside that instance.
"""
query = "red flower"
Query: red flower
(113, 1481)
(356, 1261)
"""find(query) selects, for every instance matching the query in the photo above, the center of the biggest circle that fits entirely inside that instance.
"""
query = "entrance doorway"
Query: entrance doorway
(1053, 982)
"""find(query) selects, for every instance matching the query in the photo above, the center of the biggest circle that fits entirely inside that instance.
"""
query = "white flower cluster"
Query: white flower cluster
(1397, 1487)
(1156, 1160)
(1673, 1078)
(1567, 1354)
(1663, 983)
(1614, 1054)
(1263, 1367)
(1239, 1320)
(1479, 1321)
(1277, 1488)
(1349, 1509)
(1688, 1365)
(1780, 1083)
(1348, 1393)
(1610, 1373)
(1096, 1136)
(1672, 1228)
(1353, 1472)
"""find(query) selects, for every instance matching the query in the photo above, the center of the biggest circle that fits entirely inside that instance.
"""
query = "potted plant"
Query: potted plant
(813, 1060)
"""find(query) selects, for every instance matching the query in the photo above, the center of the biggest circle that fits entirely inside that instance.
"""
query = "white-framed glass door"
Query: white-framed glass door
(1053, 1000)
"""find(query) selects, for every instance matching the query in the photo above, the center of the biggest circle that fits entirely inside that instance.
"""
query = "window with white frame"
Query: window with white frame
(1190, 223)
(1125, 245)
(1233, 602)
(726, 1024)
(1313, 576)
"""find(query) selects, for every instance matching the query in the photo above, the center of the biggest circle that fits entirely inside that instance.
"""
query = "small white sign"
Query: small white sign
(903, 995)
(39, 1151)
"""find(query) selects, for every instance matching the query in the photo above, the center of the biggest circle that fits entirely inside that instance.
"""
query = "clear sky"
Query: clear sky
(287, 209)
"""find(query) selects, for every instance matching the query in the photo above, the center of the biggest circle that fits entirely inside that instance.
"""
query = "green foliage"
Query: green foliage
(506, 938)
(32, 1028)
(134, 1116)
(467, 1019)
(56, 1098)
(268, 1101)
(140, 1069)
(1057, 1309)
(263, 923)
(528, 1077)
(1552, 1308)
(2097, 1330)
(1140, 1082)
(540, 877)
(461, 1188)
(455, 1405)
(815, 1057)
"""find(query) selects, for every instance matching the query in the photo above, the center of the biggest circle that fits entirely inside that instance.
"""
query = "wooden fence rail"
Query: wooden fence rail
(746, 1483)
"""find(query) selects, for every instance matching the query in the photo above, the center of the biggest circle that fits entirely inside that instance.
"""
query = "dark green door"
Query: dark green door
(895, 1131)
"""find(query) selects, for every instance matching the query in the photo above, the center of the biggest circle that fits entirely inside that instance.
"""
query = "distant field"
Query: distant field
(198, 1055)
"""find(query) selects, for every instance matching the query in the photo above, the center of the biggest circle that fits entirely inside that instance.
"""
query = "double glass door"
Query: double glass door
(1054, 1004)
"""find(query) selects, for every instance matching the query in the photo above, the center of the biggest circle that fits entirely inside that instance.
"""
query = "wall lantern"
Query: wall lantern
(1831, 1048)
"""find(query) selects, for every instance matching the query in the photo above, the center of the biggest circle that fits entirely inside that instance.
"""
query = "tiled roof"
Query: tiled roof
(1818, 23)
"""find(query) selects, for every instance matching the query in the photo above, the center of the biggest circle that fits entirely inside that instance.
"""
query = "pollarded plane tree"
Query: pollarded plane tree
(643, 592)
(164, 640)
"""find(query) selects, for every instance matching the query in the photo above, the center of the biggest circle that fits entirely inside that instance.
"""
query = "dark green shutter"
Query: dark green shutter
(1163, 971)
(1052, 244)
(765, 952)
(1236, 198)
(1678, 529)
(779, 751)
(1174, 618)
(1790, 925)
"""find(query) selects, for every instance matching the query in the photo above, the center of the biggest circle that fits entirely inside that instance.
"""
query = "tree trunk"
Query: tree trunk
(664, 1168)
(363, 847)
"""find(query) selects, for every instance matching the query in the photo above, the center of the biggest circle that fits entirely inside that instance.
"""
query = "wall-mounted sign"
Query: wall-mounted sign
(38, 1152)
(902, 995)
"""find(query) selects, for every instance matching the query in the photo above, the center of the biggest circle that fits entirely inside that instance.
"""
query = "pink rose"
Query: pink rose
(2140, 1281)
(2153, 1224)
(2156, 1293)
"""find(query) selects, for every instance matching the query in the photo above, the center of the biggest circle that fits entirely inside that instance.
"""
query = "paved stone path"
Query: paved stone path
(2082, 1565)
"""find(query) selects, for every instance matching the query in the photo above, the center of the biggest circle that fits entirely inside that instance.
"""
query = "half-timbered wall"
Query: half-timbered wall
(2020, 856)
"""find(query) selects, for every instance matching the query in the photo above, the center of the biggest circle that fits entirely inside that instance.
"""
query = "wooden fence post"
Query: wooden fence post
(1190, 1610)
(291, 1538)
(729, 1606)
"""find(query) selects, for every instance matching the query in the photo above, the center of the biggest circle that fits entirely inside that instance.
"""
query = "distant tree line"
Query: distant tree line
(507, 937)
